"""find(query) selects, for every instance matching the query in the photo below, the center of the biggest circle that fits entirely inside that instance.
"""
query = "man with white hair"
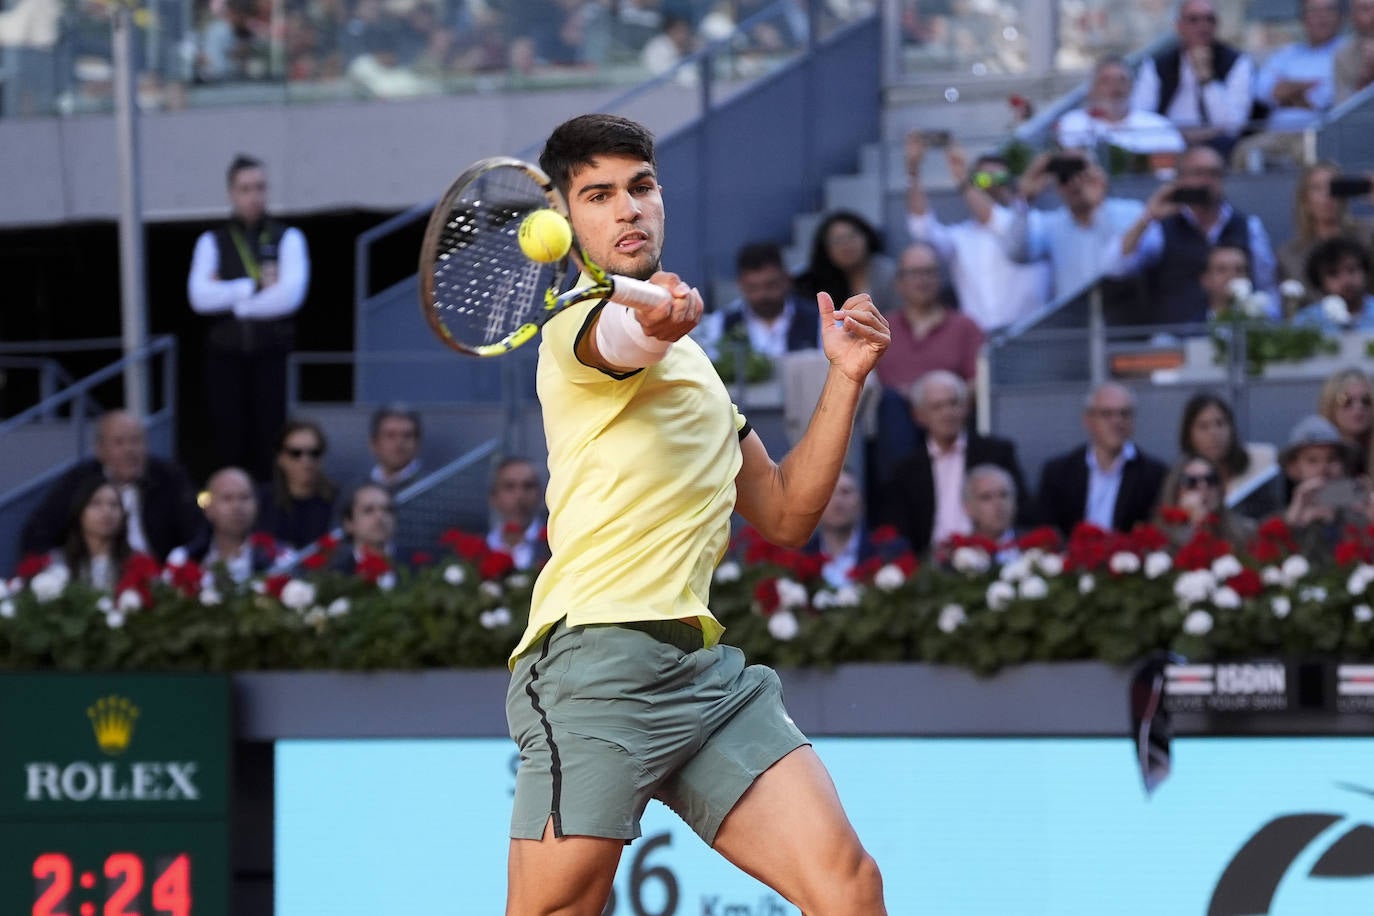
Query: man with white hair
(924, 498)
(1107, 481)
(990, 503)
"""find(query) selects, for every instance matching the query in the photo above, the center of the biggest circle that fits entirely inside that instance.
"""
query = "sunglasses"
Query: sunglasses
(1198, 481)
(1348, 400)
(296, 454)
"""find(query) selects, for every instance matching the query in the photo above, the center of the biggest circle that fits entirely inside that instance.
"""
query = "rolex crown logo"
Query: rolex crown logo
(113, 718)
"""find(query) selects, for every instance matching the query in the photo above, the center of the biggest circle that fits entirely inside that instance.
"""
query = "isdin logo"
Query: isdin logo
(112, 719)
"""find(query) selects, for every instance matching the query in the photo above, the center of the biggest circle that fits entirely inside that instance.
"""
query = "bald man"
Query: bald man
(231, 511)
(156, 493)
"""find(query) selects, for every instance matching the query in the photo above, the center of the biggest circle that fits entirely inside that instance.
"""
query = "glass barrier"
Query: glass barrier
(971, 37)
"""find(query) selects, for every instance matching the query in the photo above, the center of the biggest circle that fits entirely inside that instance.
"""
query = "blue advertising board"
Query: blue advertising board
(1244, 826)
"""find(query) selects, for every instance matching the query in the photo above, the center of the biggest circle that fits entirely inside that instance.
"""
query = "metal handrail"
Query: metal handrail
(63, 346)
(453, 468)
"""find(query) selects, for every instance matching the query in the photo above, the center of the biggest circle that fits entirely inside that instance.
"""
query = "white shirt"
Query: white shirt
(993, 289)
(1228, 103)
(397, 480)
(211, 296)
(1104, 485)
(947, 469)
(133, 513)
(523, 551)
(766, 337)
(836, 569)
(1139, 132)
(1077, 253)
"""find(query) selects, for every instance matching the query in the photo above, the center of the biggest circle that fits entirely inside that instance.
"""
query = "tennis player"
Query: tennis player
(621, 691)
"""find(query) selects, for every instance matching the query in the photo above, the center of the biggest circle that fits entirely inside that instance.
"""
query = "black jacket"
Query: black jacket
(1064, 490)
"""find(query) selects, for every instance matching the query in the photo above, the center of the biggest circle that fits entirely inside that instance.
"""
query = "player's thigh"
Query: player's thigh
(569, 875)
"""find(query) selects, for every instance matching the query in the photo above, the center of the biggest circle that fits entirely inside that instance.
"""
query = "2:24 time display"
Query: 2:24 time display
(61, 890)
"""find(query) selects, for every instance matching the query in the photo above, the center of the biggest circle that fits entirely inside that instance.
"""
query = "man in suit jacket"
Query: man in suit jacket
(1107, 481)
(924, 497)
(157, 494)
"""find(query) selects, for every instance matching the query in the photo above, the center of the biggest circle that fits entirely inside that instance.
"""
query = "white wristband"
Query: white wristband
(622, 342)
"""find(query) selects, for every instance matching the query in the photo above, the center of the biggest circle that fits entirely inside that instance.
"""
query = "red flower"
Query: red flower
(141, 568)
(316, 561)
(884, 534)
(372, 566)
(185, 578)
(467, 546)
(1348, 553)
(803, 566)
(274, 584)
(866, 570)
(421, 558)
(1042, 538)
(1173, 515)
(1146, 538)
(907, 563)
(766, 598)
(326, 543)
(1199, 552)
(1275, 528)
(1265, 550)
(987, 545)
(495, 565)
(261, 540)
(32, 565)
(1246, 583)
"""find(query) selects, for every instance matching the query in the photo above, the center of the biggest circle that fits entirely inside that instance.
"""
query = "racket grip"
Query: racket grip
(638, 294)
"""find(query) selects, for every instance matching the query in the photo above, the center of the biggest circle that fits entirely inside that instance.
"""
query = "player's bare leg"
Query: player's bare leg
(790, 831)
(568, 876)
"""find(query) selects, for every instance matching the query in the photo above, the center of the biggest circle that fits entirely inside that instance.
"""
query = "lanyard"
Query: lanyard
(250, 262)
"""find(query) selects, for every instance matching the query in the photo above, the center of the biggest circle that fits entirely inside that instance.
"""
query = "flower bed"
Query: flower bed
(1104, 595)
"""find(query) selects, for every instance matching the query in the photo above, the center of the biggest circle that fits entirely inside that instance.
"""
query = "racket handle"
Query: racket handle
(638, 294)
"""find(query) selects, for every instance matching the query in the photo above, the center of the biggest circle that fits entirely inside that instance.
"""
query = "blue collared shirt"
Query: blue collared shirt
(1314, 316)
(1299, 61)
(1104, 485)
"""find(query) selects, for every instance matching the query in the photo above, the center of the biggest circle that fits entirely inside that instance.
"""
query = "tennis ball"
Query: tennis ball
(545, 236)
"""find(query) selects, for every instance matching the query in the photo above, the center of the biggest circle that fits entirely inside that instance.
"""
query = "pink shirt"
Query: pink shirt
(952, 345)
(948, 470)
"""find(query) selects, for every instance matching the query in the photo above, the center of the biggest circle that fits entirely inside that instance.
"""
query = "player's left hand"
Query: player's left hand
(675, 320)
(853, 336)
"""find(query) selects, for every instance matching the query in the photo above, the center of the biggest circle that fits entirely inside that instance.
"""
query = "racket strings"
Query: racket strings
(484, 287)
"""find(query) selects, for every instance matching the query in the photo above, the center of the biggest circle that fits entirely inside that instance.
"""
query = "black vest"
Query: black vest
(1169, 64)
(226, 332)
(1175, 295)
(803, 331)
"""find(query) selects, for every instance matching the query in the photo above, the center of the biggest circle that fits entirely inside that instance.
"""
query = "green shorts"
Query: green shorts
(610, 716)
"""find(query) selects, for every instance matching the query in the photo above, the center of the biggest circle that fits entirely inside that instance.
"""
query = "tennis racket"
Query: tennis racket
(481, 294)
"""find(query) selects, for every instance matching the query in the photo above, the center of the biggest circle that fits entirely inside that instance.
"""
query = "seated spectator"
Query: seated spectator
(992, 289)
(297, 507)
(394, 440)
(369, 524)
(847, 259)
(1298, 80)
(1076, 236)
(1325, 500)
(1192, 500)
(924, 498)
(841, 537)
(1318, 215)
(1339, 268)
(670, 47)
(926, 334)
(1108, 117)
(1199, 83)
(1354, 68)
(767, 314)
(1345, 401)
(1170, 241)
(96, 545)
(517, 499)
(1208, 430)
(1107, 481)
(990, 502)
(1227, 266)
(231, 511)
(156, 493)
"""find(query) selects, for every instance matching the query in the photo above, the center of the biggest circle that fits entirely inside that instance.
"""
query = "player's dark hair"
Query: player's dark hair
(575, 143)
(1326, 258)
(240, 163)
(757, 255)
(387, 412)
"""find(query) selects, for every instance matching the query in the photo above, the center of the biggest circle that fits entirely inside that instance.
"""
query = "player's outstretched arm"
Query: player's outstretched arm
(784, 501)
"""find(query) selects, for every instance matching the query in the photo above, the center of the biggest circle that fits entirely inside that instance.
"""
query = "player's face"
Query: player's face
(616, 207)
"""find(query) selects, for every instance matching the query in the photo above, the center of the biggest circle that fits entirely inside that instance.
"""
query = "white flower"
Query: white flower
(386, 581)
(259, 587)
(497, 617)
(517, 580)
(1016, 570)
(791, 594)
(114, 619)
(1292, 289)
(1294, 568)
(316, 616)
(1271, 575)
(491, 589)
(847, 596)
(49, 584)
(7, 608)
(1280, 605)
(338, 607)
(1313, 593)
(1362, 613)
(728, 571)
(104, 604)
(454, 574)
(1334, 308)
(1239, 289)
(1194, 586)
(824, 599)
(1157, 564)
(1226, 597)
(1086, 583)
(7, 588)
(1197, 623)
(951, 618)
(1051, 564)
(1033, 587)
(1225, 567)
(889, 578)
(1256, 305)
(209, 597)
(298, 594)
(971, 560)
(129, 600)
(1123, 563)
(999, 593)
(783, 625)
(1359, 579)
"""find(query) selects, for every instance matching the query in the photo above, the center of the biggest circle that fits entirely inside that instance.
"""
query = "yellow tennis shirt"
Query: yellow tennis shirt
(641, 485)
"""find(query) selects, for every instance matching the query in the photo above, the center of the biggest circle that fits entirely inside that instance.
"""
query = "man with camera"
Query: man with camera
(248, 278)
(1073, 237)
(1325, 498)
(1183, 220)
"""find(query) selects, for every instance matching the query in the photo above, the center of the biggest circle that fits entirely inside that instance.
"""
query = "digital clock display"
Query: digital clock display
(122, 892)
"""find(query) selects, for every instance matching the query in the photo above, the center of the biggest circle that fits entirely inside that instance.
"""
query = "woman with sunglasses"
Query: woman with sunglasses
(1194, 486)
(1209, 430)
(297, 507)
(1346, 401)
